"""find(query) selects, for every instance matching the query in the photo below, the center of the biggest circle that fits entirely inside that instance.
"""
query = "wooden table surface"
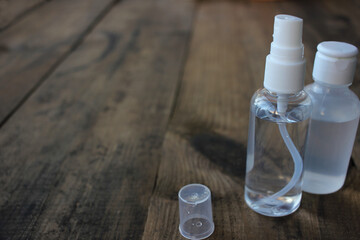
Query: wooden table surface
(107, 108)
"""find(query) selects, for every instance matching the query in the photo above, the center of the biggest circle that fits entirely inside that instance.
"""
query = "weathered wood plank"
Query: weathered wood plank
(86, 162)
(10, 10)
(31, 48)
(206, 139)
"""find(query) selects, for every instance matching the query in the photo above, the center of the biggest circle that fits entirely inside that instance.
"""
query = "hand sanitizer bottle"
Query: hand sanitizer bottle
(334, 118)
(278, 122)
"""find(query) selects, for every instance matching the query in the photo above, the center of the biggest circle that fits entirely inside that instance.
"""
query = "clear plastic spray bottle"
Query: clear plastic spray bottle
(334, 118)
(278, 122)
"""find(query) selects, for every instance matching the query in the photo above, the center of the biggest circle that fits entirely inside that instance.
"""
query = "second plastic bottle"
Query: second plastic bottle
(278, 121)
(334, 119)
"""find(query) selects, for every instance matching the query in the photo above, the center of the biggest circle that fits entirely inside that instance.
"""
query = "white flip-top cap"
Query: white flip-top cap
(285, 65)
(335, 63)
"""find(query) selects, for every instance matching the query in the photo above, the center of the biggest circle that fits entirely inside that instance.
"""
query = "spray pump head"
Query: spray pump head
(285, 65)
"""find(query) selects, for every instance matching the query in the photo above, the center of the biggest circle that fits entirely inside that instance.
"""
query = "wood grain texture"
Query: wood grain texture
(206, 139)
(10, 10)
(105, 125)
(31, 48)
(86, 162)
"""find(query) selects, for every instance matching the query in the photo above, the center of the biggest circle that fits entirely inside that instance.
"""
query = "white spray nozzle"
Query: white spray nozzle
(285, 65)
(288, 31)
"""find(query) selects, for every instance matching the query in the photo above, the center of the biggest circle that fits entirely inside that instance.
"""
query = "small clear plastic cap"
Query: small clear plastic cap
(196, 221)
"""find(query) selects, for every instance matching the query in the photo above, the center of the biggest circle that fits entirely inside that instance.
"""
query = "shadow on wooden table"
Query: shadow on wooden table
(228, 154)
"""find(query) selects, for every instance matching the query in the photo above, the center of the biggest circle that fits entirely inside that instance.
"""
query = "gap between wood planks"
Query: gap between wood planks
(62, 58)
(178, 85)
(22, 14)
(130, 151)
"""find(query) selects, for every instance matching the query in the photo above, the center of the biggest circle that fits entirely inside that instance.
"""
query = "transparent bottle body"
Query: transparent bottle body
(270, 165)
(332, 131)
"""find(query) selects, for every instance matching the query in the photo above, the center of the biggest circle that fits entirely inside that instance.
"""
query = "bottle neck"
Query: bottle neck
(327, 85)
(321, 87)
(275, 95)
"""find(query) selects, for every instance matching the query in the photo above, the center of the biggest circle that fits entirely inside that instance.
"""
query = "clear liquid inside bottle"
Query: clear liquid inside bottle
(269, 163)
(327, 161)
(331, 136)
